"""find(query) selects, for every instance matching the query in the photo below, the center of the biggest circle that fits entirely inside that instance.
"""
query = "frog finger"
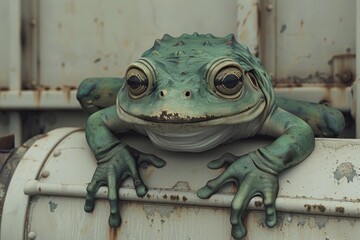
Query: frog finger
(238, 207)
(92, 189)
(152, 159)
(114, 219)
(224, 160)
(215, 184)
(139, 185)
(269, 203)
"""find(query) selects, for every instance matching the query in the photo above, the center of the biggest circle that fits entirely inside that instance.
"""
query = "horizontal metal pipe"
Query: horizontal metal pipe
(301, 205)
(340, 98)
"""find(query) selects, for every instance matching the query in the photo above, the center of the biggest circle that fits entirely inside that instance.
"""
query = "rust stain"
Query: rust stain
(67, 90)
(113, 233)
(37, 94)
(340, 210)
(174, 197)
(315, 207)
(327, 96)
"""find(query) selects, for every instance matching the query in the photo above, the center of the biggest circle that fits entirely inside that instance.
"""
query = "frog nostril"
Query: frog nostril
(162, 93)
(187, 93)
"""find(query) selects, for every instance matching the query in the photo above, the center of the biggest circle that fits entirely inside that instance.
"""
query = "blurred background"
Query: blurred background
(48, 47)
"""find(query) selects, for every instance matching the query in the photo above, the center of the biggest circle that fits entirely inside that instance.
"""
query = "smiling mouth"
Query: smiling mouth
(176, 118)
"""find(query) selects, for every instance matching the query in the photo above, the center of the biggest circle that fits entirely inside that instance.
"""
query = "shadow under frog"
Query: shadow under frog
(192, 93)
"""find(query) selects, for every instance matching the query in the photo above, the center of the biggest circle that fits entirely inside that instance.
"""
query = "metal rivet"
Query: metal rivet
(32, 235)
(45, 174)
(56, 153)
(270, 7)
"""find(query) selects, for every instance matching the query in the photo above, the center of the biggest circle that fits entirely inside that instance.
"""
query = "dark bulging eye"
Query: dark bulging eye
(136, 81)
(229, 82)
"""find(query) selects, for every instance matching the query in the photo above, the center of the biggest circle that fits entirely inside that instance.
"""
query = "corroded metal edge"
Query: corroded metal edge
(9, 163)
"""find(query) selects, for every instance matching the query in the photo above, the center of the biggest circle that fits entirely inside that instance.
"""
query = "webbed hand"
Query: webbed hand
(120, 162)
(251, 181)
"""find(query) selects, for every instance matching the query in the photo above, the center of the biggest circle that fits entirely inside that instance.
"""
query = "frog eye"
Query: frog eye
(229, 81)
(139, 79)
(225, 77)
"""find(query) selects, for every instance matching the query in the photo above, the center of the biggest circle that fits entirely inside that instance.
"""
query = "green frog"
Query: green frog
(192, 93)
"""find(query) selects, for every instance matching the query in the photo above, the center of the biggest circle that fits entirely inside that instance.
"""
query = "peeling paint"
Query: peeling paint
(347, 170)
(181, 185)
(162, 211)
(321, 222)
(52, 206)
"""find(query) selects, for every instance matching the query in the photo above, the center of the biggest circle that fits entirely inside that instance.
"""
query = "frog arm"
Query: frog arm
(98, 93)
(295, 141)
(324, 120)
(256, 172)
(116, 161)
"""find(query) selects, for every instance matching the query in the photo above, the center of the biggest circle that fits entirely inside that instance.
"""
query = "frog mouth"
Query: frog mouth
(166, 117)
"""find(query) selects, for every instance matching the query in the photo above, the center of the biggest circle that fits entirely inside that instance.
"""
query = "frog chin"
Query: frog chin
(248, 114)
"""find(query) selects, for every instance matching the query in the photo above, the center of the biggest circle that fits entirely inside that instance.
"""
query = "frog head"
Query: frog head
(195, 80)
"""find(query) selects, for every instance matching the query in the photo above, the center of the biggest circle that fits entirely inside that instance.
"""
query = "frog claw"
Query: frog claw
(141, 190)
(238, 231)
(204, 192)
(114, 220)
(89, 205)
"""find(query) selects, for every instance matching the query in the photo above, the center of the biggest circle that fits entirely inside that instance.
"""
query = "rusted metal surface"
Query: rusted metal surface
(8, 164)
(247, 24)
(342, 74)
(307, 43)
(15, 205)
(64, 98)
(309, 208)
(49, 75)
(338, 97)
(90, 44)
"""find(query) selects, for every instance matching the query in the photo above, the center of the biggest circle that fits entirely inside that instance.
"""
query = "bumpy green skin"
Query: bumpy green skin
(181, 100)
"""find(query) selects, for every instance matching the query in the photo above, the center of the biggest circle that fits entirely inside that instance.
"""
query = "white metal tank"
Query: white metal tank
(318, 199)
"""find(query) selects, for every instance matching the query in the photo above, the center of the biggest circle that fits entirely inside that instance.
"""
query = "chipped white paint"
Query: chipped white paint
(317, 199)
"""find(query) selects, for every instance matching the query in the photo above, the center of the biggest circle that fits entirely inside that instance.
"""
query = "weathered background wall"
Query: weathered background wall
(48, 47)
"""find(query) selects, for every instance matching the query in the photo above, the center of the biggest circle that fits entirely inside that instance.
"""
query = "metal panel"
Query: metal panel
(4, 43)
(88, 38)
(324, 205)
(309, 33)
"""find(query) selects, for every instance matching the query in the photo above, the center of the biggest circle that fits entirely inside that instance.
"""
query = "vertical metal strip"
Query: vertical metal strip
(15, 45)
(268, 35)
(15, 63)
(247, 25)
(357, 82)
